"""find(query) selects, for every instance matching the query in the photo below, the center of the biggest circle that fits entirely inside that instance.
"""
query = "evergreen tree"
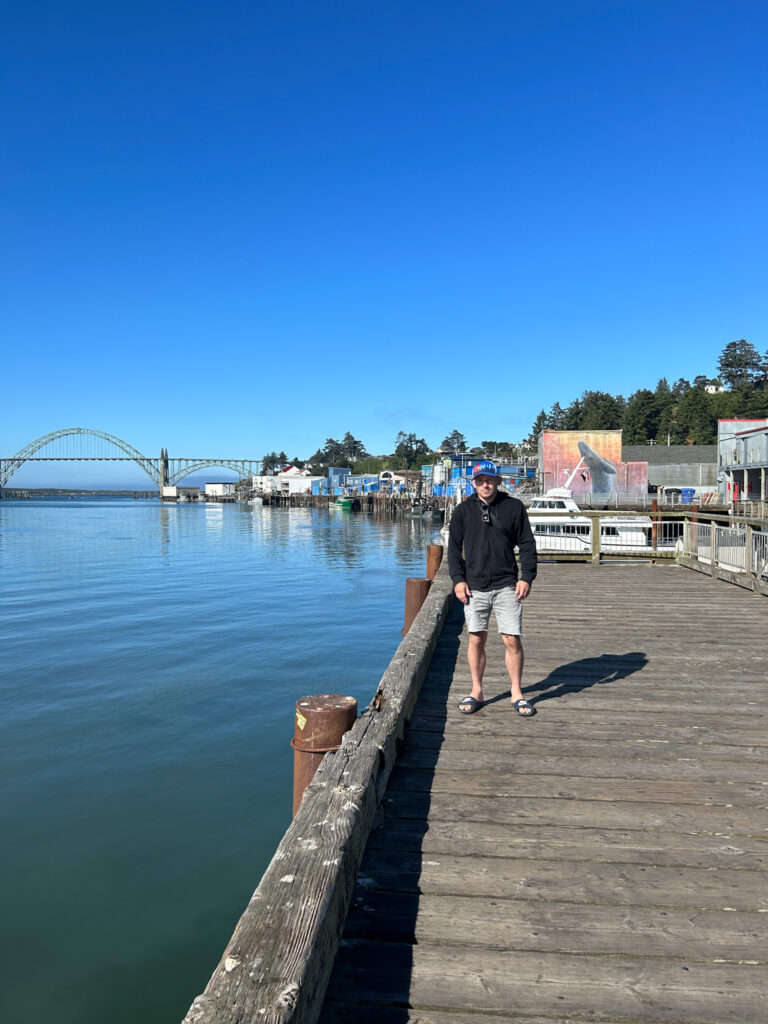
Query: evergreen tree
(573, 415)
(639, 421)
(667, 429)
(600, 411)
(454, 442)
(740, 364)
(331, 454)
(696, 418)
(540, 424)
(410, 448)
(353, 450)
(556, 417)
(664, 403)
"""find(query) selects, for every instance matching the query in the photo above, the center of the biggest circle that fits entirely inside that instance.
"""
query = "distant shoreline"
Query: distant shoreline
(71, 492)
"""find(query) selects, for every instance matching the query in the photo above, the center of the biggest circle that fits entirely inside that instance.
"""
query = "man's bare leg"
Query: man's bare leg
(514, 660)
(476, 659)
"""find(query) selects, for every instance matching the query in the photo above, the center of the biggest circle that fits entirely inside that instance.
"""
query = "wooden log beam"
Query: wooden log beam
(276, 966)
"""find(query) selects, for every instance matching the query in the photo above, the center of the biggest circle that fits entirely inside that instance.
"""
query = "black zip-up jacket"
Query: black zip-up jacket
(488, 560)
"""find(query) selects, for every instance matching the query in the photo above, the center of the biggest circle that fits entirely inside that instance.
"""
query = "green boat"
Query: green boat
(343, 501)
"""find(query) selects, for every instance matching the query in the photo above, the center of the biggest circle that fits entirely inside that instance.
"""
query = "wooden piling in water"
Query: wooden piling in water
(434, 559)
(416, 590)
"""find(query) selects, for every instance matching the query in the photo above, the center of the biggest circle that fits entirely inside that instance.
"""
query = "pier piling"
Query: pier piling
(416, 590)
(434, 559)
(321, 721)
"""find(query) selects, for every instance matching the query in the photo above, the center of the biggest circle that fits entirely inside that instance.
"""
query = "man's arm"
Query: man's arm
(526, 545)
(457, 568)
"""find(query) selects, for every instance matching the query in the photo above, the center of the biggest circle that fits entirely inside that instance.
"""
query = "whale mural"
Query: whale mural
(591, 461)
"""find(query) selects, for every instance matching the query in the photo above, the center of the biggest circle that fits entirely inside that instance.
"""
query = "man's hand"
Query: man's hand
(462, 591)
(522, 590)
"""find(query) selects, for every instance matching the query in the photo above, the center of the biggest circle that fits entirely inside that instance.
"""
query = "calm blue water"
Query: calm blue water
(151, 659)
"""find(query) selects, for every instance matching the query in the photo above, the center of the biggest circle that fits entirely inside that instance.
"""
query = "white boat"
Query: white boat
(559, 525)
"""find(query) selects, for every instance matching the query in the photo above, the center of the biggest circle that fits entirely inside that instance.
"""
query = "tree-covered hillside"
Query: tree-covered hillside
(681, 413)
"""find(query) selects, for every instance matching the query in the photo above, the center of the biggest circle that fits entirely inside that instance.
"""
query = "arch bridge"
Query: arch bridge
(81, 444)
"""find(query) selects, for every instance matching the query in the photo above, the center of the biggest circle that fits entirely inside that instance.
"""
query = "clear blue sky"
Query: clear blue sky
(236, 227)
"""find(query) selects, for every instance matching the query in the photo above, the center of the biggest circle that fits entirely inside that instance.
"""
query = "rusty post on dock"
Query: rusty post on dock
(416, 590)
(654, 523)
(321, 721)
(434, 559)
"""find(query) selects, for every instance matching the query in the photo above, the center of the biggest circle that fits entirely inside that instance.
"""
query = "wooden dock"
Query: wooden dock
(604, 861)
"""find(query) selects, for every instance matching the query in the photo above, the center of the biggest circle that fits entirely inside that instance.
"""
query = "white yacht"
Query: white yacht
(559, 525)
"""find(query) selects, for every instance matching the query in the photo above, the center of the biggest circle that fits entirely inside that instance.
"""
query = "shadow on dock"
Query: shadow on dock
(585, 673)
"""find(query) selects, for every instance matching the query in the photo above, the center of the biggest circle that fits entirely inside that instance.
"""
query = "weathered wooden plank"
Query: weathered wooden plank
(587, 987)
(344, 1013)
(555, 842)
(496, 720)
(632, 748)
(578, 882)
(718, 819)
(506, 782)
(457, 758)
(347, 1012)
(552, 926)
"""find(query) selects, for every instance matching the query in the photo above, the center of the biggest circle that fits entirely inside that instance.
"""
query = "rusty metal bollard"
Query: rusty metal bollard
(321, 721)
(434, 559)
(416, 590)
(654, 523)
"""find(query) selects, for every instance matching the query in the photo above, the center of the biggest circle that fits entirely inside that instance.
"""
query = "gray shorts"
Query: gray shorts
(505, 605)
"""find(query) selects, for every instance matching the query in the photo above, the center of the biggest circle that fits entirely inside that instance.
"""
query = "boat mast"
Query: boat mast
(577, 467)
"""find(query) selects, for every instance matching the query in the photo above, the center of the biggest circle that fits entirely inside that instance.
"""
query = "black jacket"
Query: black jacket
(488, 560)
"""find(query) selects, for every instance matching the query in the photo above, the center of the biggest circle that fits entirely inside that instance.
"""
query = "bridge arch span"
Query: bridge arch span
(10, 466)
(243, 470)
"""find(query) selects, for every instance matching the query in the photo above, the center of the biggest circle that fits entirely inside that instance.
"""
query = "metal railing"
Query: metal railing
(739, 547)
(596, 534)
(736, 546)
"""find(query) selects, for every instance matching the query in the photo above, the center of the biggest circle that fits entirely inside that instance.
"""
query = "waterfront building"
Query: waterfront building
(676, 468)
(742, 458)
(220, 489)
(290, 480)
(180, 492)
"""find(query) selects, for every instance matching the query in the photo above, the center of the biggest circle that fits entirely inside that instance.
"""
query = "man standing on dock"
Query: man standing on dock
(488, 526)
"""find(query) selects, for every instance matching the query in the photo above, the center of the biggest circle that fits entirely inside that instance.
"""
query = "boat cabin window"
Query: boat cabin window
(572, 529)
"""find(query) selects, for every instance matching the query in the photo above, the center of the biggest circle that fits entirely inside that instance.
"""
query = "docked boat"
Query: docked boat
(559, 525)
(342, 501)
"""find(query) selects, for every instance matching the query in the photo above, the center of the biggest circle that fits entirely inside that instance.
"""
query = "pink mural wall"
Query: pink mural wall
(597, 453)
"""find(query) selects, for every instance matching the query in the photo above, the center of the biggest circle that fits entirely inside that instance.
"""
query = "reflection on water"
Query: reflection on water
(152, 656)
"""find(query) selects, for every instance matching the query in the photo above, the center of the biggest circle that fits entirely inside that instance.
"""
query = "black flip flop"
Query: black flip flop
(523, 703)
(474, 703)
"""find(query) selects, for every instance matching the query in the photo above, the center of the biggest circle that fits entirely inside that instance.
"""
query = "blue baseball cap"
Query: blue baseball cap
(485, 469)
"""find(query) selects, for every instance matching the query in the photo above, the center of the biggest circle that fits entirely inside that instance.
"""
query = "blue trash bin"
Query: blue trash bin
(686, 495)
